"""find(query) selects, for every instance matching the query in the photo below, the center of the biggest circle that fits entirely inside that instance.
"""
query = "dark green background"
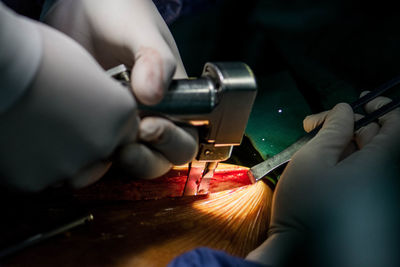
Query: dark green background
(306, 55)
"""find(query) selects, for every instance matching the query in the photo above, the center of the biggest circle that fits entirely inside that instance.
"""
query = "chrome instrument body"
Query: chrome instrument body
(218, 104)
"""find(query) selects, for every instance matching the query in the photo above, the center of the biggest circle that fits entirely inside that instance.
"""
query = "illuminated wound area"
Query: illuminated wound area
(151, 232)
(235, 221)
(171, 184)
(238, 218)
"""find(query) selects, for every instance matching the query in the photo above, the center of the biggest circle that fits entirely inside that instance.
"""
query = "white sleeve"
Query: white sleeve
(20, 55)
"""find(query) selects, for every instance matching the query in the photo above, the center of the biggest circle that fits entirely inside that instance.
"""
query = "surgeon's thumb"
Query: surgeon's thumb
(152, 73)
(313, 121)
(335, 135)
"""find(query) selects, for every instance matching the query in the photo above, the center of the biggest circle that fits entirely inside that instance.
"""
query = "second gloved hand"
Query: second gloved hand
(339, 203)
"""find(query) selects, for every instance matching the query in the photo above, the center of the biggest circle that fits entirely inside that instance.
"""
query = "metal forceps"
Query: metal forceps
(280, 160)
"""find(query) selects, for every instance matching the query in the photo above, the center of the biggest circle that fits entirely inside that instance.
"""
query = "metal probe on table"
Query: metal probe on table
(45, 235)
(261, 170)
(218, 103)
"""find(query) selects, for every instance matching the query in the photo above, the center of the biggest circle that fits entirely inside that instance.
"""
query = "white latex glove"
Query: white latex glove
(72, 119)
(344, 209)
(131, 32)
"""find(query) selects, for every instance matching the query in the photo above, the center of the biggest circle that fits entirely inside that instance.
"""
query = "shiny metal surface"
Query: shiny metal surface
(197, 96)
(208, 174)
(262, 169)
(199, 177)
(236, 90)
(195, 175)
(219, 103)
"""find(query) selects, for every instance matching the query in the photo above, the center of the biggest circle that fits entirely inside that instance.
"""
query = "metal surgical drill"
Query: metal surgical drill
(218, 104)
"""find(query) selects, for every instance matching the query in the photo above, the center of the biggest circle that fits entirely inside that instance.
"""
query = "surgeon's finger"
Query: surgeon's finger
(90, 174)
(365, 134)
(177, 145)
(154, 56)
(153, 69)
(336, 133)
(312, 121)
(361, 137)
(180, 72)
(142, 162)
(378, 103)
(386, 141)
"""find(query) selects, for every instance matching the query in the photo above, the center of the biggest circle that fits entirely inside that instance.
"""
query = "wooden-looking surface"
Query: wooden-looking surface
(152, 232)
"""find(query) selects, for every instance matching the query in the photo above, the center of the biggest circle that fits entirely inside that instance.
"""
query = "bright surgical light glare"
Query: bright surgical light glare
(243, 203)
(280, 110)
(235, 220)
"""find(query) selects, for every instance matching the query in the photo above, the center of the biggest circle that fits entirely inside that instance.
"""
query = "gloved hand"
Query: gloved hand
(339, 203)
(129, 32)
(72, 118)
